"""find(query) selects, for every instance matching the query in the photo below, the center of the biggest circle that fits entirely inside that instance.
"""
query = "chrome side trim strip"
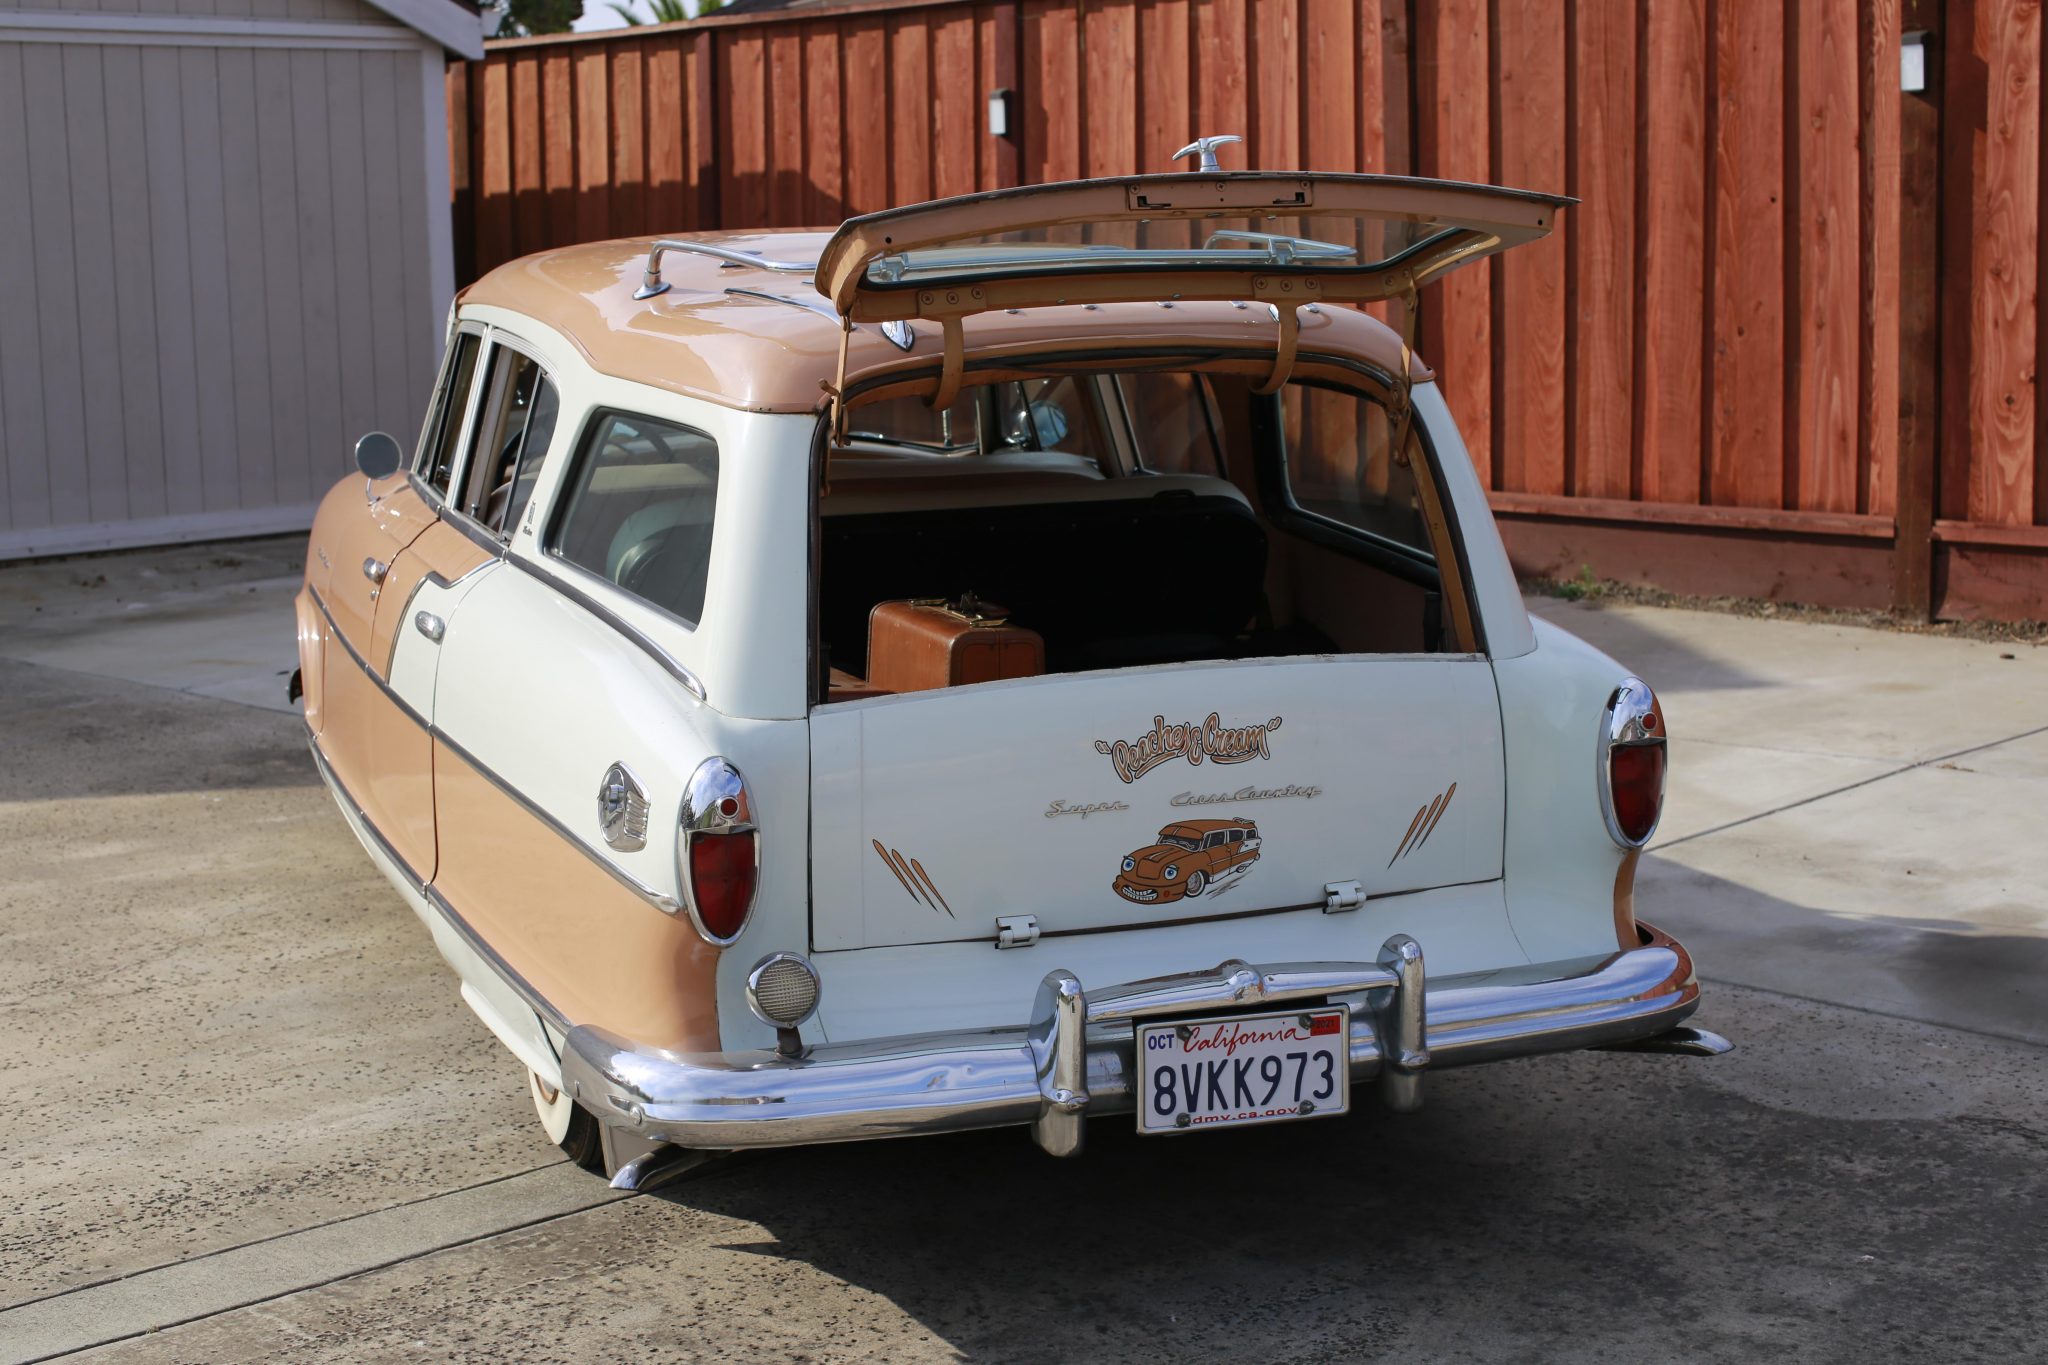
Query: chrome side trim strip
(668, 905)
(534, 999)
(619, 623)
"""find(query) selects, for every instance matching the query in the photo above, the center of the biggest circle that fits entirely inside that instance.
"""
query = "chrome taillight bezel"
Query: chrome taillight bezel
(1630, 719)
(716, 804)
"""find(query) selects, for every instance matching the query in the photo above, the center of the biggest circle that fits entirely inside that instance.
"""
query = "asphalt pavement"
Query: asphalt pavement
(251, 1120)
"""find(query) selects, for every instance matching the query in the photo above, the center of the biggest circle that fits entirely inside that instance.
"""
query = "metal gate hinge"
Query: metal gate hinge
(1342, 896)
(1016, 931)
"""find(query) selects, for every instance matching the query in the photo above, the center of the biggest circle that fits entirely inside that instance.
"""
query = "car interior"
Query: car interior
(1132, 519)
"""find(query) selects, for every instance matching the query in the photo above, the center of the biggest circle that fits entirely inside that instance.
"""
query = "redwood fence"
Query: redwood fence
(1786, 347)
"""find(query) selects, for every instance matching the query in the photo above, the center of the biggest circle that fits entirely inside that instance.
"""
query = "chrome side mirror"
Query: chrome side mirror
(378, 456)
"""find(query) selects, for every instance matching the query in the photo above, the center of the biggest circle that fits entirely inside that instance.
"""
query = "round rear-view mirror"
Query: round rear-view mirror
(378, 456)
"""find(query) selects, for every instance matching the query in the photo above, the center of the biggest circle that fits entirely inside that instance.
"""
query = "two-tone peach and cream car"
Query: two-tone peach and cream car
(588, 676)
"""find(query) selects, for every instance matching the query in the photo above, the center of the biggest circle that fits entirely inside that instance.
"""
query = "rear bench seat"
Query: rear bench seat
(1113, 573)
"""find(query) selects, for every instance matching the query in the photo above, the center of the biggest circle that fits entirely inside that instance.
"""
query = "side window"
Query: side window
(639, 507)
(444, 428)
(512, 435)
(1170, 423)
(1237, 836)
(1340, 467)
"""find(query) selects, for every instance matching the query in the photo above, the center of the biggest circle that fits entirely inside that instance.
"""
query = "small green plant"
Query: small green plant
(1584, 588)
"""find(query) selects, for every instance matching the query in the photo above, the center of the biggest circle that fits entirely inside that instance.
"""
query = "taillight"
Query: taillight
(1632, 759)
(719, 855)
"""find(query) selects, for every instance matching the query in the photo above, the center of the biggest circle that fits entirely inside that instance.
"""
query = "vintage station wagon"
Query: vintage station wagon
(598, 678)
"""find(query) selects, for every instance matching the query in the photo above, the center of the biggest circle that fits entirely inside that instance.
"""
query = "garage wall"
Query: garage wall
(224, 255)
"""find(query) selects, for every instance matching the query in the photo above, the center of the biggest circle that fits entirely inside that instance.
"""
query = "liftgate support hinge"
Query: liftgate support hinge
(1016, 931)
(1342, 896)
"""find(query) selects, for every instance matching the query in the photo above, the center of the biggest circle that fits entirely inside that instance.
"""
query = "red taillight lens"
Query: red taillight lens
(723, 868)
(1636, 777)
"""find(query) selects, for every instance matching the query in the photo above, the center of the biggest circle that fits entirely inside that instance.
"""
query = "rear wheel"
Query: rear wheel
(568, 1124)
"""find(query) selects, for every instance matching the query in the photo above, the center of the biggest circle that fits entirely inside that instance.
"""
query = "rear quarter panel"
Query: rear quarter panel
(1560, 864)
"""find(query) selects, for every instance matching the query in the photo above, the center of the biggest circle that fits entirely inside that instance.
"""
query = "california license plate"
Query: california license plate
(1256, 1068)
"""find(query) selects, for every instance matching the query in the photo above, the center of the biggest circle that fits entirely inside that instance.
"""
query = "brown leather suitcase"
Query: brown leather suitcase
(924, 643)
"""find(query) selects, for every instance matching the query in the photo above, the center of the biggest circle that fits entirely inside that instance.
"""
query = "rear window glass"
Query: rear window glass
(1060, 415)
(1340, 465)
(1170, 426)
(639, 510)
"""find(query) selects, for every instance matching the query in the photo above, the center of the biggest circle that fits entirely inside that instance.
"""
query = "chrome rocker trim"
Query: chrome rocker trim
(1074, 1058)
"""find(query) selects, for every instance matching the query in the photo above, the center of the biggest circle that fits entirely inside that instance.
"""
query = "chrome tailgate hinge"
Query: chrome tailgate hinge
(1016, 931)
(1342, 896)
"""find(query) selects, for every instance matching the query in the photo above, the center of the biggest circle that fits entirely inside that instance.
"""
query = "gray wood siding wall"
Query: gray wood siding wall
(216, 271)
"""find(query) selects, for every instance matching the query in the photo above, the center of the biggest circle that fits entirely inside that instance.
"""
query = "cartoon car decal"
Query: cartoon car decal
(1191, 856)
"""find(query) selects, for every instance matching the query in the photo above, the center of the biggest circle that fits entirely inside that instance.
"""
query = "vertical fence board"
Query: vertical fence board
(910, 110)
(495, 239)
(825, 139)
(666, 153)
(1452, 143)
(957, 103)
(1672, 132)
(529, 177)
(1746, 444)
(1601, 292)
(743, 125)
(1220, 62)
(593, 144)
(788, 99)
(1529, 303)
(558, 152)
(867, 156)
(1396, 70)
(1330, 88)
(996, 42)
(1165, 74)
(1052, 49)
(1880, 174)
(1999, 125)
(627, 189)
(1824, 252)
(1109, 97)
(1275, 94)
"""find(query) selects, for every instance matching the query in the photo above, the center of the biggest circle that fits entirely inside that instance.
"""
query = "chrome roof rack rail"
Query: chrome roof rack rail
(652, 284)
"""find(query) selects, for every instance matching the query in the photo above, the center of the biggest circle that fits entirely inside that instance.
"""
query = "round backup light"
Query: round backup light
(782, 990)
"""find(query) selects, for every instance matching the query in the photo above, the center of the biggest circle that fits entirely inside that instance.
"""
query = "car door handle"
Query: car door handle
(430, 625)
(374, 569)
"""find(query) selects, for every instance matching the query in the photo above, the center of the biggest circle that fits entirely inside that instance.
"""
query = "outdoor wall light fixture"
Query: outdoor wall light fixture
(1913, 62)
(999, 113)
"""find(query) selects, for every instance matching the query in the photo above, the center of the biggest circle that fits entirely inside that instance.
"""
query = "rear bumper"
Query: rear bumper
(1071, 1058)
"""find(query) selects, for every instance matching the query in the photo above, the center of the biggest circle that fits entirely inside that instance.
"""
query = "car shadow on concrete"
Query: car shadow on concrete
(1956, 973)
(70, 735)
(1661, 657)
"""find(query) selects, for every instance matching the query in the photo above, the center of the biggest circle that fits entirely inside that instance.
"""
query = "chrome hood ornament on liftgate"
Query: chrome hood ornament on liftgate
(1205, 148)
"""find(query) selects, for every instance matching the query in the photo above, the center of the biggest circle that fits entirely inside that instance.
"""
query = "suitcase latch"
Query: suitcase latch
(1339, 896)
(1016, 931)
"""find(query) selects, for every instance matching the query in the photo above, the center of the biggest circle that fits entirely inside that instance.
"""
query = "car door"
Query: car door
(373, 734)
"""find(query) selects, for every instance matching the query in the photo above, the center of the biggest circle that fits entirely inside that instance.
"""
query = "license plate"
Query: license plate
(1257, 1068)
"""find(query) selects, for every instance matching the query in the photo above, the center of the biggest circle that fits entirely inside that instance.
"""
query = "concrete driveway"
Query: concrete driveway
(251, 1120)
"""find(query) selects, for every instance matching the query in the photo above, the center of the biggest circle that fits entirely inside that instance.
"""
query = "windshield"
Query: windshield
(1180, 841)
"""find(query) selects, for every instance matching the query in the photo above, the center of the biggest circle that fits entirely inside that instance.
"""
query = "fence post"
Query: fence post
(1919, 323)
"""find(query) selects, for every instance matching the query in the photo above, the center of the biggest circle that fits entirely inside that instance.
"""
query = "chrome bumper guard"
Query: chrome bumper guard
(1075, 1057)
